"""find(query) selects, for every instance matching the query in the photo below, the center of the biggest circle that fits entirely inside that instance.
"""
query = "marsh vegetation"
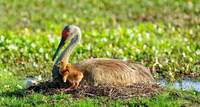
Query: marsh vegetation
(164, 35)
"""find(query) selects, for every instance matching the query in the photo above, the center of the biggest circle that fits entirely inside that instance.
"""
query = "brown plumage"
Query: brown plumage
(70, 73)
(101, 71)
(113, 72)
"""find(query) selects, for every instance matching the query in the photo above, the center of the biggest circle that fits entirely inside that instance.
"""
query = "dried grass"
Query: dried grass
(86, 90)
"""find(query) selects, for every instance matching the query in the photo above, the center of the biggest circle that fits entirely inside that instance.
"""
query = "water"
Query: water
(184, 84)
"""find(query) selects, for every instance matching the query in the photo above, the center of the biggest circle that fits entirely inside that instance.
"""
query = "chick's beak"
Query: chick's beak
(61, 44)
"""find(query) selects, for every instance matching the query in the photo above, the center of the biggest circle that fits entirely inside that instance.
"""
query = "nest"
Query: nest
(86, 90)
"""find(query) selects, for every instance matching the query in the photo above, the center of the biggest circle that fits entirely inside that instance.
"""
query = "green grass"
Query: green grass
(12, 94)
(49, 15)
(163, 34)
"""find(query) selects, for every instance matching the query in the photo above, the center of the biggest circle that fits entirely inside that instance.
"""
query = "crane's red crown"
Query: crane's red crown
(65, 32)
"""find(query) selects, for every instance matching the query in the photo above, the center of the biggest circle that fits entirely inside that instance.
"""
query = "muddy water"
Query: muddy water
(184, 84)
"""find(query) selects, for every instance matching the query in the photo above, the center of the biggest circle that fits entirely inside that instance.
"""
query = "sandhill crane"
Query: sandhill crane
(100, 71)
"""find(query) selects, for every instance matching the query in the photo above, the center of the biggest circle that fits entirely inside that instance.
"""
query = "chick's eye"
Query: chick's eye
(66, 70)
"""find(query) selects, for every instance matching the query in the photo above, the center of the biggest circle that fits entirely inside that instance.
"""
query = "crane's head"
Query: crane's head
(68, 32)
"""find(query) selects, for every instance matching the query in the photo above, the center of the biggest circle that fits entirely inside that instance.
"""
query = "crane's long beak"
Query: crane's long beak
(61, 44)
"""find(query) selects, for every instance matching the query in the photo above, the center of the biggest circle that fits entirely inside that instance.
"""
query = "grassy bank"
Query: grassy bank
(12, 94)
(164, 35)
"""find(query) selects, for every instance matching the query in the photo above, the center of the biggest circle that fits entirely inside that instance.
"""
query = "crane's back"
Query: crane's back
(106, 71)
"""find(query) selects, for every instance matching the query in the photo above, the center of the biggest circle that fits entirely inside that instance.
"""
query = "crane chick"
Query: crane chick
(70, 73)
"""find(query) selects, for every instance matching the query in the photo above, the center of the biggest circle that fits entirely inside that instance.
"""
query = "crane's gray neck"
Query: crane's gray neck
(68, 51)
